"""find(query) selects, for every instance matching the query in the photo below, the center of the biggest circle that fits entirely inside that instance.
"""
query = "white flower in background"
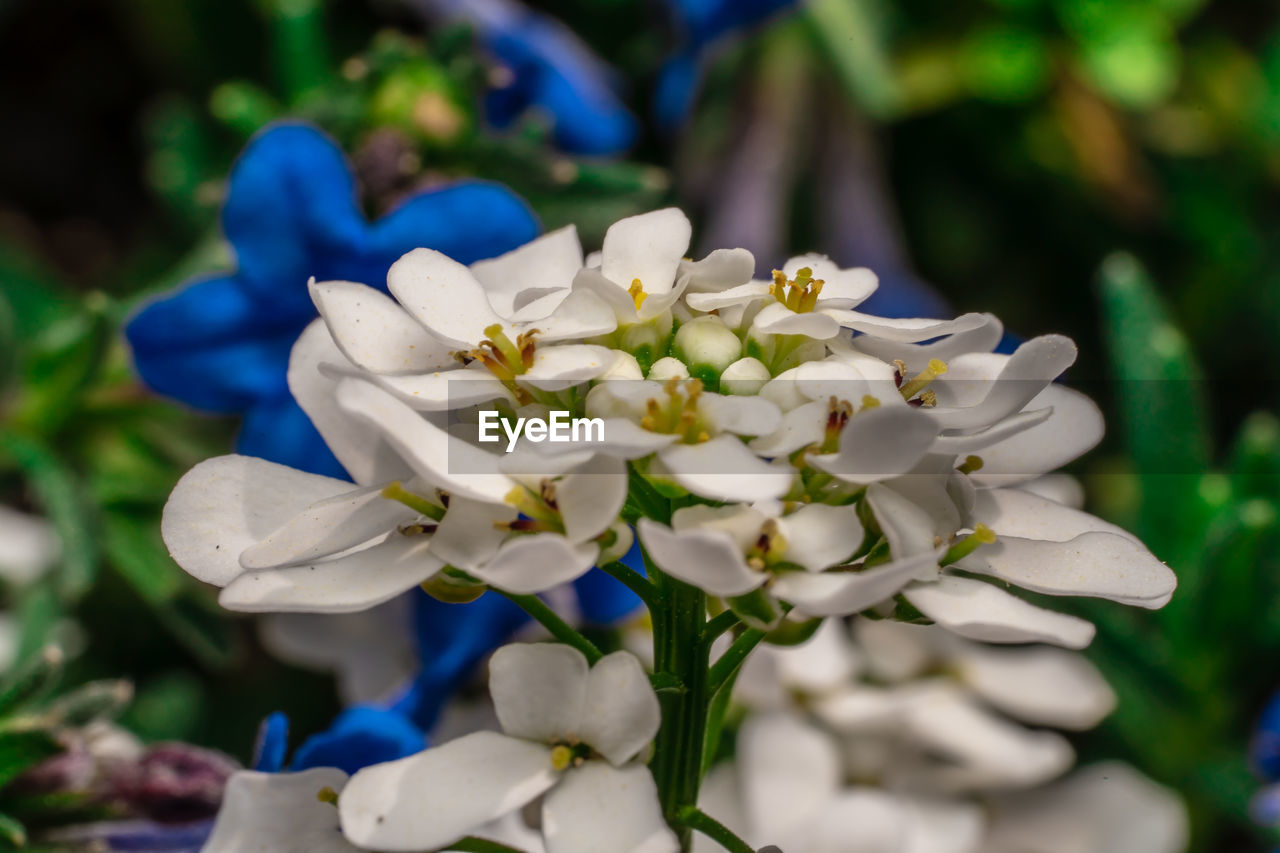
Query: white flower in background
(1102, 808)
(919, 709)
(29, 548)
(787, 787)
(279, 813)
(570, 734)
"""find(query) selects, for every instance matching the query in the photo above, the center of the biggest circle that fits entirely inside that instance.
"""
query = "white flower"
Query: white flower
(1103, 808)
(29, 546)
(639, 263)
(693, 436)
(787, 788)
(279, 813)
(570, 733)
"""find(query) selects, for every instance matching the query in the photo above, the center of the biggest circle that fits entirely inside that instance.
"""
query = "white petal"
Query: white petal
(438, 391)
(468, 535)
(907, 527)
(443, 461)
(978, 747)
(897, 651)
(741, 522)
(740, 415)
(327, 527)
(581, 314)
(367, 458)
(1075, 427)
(591, 497)
(556, 368)
(819, 536)
(443, 296)
(858, 820)
(226, 504)
(790, 772)
(983, 333)
(355, 581)
(1016, 512)
(279, 813)
(593, 282)
(904, 330)
(979, 611)
(943, 826)
(879, 444)
(545, 264)
(539, 690)
(1100, 565)
(724, 469)
(668, 367)
(845, 287)
(648, 247)
(842, 593)
(626, 440)
(956, 445)
(29, 546)
(777, 319)
(1103, 808)
(1020, 378)
(597, 802)
(1059, 488)
(715, 300)
(536, 563)
(374, 332)
(707, 559)
(718, 271)
(800, 427)
(455, 789)
(746, 376)
(621, 714)
(1045, 686)
(826, 661)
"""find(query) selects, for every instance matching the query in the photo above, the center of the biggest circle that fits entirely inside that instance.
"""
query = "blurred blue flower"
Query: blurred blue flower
(452, 639)
(222, 343)
(550, 70)
(1264, 758)
(361, 735)
(134, 836)
(699, 24)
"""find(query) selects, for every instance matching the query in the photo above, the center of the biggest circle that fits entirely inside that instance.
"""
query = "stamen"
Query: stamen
(636, 292)
(327, 795)
(799, 294)
(921, 380)
(970, 464)
(982, 535)
(397, 492)
(561, 757)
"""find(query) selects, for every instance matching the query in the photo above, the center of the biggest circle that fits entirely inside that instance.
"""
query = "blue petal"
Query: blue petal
(452, 639)
(554, 71)
(291, 195)
(211, 346)
(272, 744)
(360, 736)
(279, 431)
(1264, 749)
(141, 835)
(704, 21)
(677, 88)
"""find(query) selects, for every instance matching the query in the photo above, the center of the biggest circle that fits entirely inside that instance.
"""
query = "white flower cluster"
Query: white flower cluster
(787, 455)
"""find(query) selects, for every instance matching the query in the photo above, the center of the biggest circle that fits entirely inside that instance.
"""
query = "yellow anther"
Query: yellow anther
(561, 757)
(921, 380)
(928, 398)
(970, 464)
(984, 534)
(636, 291)
(327, 795)
(869, 402)
(799, 294)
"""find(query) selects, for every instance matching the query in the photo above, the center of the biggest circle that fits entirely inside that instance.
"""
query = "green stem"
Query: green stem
(718, 625)
(560, 629)
(677, 757)
(733, 657)
(714, 829)
(634, 581)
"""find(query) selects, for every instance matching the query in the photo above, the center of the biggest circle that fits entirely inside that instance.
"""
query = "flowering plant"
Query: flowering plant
(783, 459)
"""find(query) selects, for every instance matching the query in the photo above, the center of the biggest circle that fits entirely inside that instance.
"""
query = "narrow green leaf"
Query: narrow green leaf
(22, 750)
(1163, 415)
(136, 551)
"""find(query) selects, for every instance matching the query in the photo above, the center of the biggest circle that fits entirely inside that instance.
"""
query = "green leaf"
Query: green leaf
(12, 832)
(59, 493)
(30, 681)
(64, 359)
(136, 551)
(22, 750)
(1163, 415)
(853, 33)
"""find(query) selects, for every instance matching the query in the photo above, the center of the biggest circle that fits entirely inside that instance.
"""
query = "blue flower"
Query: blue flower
(551, 71)
(699, 24)
(222, 343)
(361, 735)
(452, 639)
